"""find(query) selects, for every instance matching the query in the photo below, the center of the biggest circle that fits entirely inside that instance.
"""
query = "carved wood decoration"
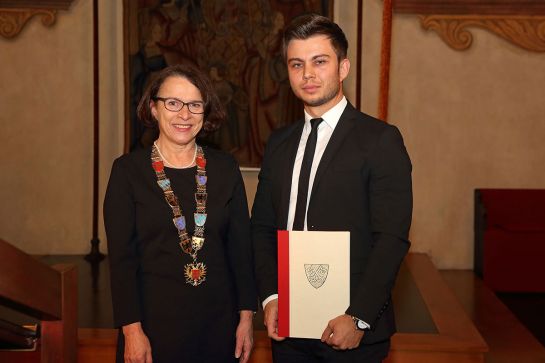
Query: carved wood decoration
(520, 22)
(12, 21)
(526, 32)
(14, 15)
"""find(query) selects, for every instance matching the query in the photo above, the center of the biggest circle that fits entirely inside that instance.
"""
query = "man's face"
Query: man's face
(315, 73)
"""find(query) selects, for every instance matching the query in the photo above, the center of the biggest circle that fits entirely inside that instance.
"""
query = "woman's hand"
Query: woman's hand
(137, 346)
(245, 336)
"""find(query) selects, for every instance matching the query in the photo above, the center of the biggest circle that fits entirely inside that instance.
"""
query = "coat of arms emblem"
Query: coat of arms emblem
(316, 274)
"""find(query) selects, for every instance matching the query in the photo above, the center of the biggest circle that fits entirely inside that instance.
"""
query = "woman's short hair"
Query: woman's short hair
(307, 25)
(214, 113)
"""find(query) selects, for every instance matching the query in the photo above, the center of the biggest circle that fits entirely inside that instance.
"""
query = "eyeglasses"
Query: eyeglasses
(176, 105)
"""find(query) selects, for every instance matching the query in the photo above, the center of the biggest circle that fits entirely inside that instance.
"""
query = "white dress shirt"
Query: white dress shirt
(325, 130)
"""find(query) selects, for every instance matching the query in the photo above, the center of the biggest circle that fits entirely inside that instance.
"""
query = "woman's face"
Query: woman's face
(180, 127)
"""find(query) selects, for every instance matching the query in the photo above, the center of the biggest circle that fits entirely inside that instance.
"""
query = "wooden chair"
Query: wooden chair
(48, 294)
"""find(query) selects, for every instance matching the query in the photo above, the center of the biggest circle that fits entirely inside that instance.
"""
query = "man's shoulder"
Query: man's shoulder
(281, 134)
(367, 124)
(362, 119)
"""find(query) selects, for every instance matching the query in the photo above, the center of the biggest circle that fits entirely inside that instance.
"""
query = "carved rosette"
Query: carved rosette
(527, 32)
(12, 21)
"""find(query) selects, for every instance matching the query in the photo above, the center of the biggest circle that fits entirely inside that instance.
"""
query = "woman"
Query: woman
(178, 234)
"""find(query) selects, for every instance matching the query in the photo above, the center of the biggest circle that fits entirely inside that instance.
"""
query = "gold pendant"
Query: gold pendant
(195, 273)
(196, 243)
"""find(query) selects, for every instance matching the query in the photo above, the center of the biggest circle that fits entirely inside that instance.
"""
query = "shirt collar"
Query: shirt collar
(332, 116)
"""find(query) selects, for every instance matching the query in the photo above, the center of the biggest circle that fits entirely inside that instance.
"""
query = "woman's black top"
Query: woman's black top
(183, 322)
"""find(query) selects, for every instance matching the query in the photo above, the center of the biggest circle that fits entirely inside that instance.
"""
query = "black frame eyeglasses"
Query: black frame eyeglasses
(176, 105)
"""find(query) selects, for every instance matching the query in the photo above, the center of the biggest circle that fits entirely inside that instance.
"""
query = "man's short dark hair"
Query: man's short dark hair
(309, 25)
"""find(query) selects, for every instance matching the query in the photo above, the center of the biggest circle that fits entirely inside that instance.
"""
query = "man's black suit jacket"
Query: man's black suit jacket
(362, 185)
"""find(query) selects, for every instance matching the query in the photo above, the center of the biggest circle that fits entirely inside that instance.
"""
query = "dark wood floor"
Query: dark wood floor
(508, 339)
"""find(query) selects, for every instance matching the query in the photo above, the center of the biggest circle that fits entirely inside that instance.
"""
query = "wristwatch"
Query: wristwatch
(360, 324)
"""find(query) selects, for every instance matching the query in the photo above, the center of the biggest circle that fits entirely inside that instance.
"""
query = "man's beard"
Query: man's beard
(325, 99)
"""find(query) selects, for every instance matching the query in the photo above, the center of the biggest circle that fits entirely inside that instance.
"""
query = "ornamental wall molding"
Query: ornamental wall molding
(12, 21)
(15, 14)
(527, 32)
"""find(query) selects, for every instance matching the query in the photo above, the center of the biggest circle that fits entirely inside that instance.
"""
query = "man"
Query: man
(346, 172)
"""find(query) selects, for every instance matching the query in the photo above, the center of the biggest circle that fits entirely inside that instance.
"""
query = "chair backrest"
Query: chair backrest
(46, 293)
(517, 210)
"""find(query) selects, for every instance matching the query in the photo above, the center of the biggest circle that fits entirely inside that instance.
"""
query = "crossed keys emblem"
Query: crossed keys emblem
(316, 274)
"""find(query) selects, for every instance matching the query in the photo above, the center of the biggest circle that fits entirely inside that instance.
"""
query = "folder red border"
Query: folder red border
(283, 283)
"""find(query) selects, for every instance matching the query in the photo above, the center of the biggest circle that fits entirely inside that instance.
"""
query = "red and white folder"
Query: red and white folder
(313, 281)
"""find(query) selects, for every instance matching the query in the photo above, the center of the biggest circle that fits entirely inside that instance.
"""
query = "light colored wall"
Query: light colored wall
(112, 96)
(47, 128)
(47, 133)
(470, 119)
(371, 38)
(346, 15)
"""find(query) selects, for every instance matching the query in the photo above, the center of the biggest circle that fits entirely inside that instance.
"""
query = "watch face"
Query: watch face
(360, 325)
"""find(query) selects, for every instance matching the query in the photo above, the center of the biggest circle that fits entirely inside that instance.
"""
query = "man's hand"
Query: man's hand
(137, 346)
(341, 333)
(271, 319)
(245, 336)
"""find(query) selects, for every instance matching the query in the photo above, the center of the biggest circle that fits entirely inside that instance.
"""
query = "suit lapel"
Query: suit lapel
(342, 130)
(291, 145)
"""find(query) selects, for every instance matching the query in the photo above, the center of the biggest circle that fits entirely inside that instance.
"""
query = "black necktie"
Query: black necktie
(304, 176)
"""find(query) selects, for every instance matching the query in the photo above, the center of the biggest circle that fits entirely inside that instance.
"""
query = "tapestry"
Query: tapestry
(238, 43)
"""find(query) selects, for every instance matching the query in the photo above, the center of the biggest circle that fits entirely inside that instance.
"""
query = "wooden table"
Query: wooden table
(432, 325)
